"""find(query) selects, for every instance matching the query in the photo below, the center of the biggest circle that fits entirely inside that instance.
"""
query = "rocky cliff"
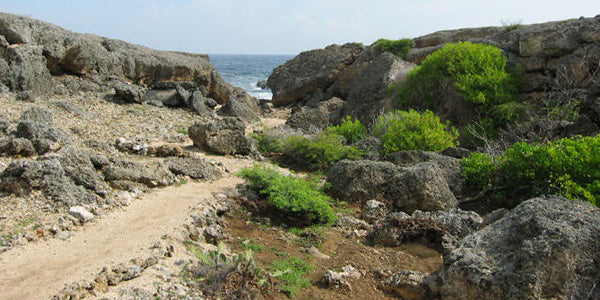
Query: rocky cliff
(556, 58)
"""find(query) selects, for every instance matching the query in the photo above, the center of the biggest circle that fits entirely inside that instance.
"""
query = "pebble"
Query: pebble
(64, 235)
(81, 213)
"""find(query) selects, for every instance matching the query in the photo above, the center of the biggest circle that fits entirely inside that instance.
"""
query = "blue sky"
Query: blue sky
(284, 26)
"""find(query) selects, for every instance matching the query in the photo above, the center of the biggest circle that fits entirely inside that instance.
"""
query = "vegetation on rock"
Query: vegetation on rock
(398, 47)
(568, 167)
(412, 130)
(352, 131)
(293, 196)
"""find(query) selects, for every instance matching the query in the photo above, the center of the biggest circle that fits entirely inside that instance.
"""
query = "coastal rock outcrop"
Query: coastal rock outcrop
(223, 136)
(546, 248)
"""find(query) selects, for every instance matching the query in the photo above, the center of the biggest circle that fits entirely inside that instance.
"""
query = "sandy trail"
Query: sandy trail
(40, 270)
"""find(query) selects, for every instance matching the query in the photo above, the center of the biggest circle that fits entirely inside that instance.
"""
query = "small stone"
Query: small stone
(81, 213)
(316, 253)
(64, 235)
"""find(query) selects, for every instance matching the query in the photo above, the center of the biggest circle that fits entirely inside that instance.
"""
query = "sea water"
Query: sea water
(246, 70)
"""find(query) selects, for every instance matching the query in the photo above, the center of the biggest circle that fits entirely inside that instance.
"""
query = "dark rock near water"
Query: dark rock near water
(315, 118)
(223, 136)
(262, 84)
(421, 187)
(545, 248)
(242, 106)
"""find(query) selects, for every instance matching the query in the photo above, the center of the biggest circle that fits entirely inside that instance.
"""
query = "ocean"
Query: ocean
(246, 70)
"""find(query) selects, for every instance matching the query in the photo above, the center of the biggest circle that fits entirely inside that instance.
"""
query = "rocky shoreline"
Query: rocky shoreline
(126, 159)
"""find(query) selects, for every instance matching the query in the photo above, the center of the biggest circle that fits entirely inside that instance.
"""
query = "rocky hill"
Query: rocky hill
(132, 173)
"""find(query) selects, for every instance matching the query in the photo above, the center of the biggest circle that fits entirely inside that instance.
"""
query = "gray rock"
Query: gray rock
(213, 234)
(4, 126)
(242, 106)
(44, 138)
(16, 147)
(316, 118)
(458, 222)
(335, 279)
(262, 84)
(81, 213)
(223, 136)
(193, 167)
(350, 223)
(420, 187)
(36, 114)
(25, 69)
(72, 108)
(169, 98)
(123, 170)
(201, 105)
(130, 92)
(394, 231)
(546, 247)
(409, 285)
(310, 71)
(81, 167)
(374, 210)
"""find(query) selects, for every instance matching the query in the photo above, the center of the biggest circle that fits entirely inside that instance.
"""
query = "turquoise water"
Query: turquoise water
(246, 70)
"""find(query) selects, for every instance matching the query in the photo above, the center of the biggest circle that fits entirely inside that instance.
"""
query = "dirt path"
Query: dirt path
(40, 270)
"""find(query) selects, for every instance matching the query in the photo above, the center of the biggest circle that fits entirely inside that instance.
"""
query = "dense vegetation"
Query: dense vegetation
(352, 131)
(570, 167)
(473, 73)
(295, 197)
(398, 47)
(319, 152)
(412, 130)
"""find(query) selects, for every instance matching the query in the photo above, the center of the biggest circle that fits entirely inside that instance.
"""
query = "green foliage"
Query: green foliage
(398, 47)
(320, 151)
(292, 271)
(476, 71)
(352, 131)
(411, 130)
(570, 167)
(291, 195)
(268, 143)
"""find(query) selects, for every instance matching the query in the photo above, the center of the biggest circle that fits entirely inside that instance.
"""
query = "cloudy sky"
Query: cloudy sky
(284, 26)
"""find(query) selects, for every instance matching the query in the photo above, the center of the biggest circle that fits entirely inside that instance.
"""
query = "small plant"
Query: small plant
(352, 131)
(512, 25)
(411, 130)
(292, 271)
(398, 47)
(252, 246)
(569, 167)
(321, 151)
(293, 196)
(181, 182)
(183, 131)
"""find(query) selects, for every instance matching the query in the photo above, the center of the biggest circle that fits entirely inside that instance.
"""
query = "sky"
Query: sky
(284, 26)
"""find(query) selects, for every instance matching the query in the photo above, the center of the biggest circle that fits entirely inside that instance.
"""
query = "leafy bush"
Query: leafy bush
(570, 167)
(320, 151)
(476, 71)
(411, 130)
(292, 271)
(352, 131)
(398, 47)
(296, 197)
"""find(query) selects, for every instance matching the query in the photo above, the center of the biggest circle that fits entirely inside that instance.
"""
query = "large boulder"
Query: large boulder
(222, 136)
(545, 248)
(421, 187)
(314, 118)
(368, 97)
(37, 49)
(242, 106)
(310, 71)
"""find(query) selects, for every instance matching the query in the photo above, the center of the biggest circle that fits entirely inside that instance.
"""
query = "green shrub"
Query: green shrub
(476, 71)
(294, 196)
(292, 271)
(411, 130)
(570, 167)
(352, 131)
(320, 151)
(398, 47)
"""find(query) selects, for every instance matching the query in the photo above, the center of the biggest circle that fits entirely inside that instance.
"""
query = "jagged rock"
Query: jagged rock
(130, 92)
(458, 222)
(372, 146)
(262, 84)
(193, 167)
(16, 147)
(409, 285)
(36, 114)
(449, 167)
(81, 213)
(494, 216)
(420, 187)
(72, 108)
(340, 279)
(395, 230)
(315, 118)
(44, 138)
(242, 106)
(310, 71)
(122, 170)
(546, 247)
(368, 97)
(223, 136)
(213, 234)
(168, 98)
(48, 175)
(374, 210)
(201, 105)
(81, 167)
(38, 49)
(352, 223)
(4, 126)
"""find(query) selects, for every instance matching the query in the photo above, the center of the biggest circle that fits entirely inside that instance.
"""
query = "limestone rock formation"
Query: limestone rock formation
(223, 136)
